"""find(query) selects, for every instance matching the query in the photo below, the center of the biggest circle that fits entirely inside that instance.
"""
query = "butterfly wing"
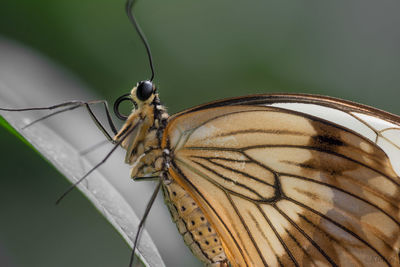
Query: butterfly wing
(282, 187)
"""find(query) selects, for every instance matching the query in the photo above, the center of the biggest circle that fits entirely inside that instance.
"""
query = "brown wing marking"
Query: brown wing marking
(395, 220)
(339, 226)
(320, 195)
(303, 242)
(332, 168)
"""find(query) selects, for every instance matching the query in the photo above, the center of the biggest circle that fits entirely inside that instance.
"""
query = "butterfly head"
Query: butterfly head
(143, 94)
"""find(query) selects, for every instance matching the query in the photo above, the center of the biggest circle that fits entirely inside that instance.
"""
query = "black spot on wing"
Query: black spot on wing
(328, 140)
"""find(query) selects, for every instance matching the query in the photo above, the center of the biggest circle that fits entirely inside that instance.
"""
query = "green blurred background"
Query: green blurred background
(203, 50)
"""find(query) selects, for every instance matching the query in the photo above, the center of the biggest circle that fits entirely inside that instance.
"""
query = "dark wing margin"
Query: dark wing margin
(265, 99)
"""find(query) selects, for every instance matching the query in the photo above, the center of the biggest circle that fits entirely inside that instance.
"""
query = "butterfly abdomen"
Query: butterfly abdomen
(197, 232)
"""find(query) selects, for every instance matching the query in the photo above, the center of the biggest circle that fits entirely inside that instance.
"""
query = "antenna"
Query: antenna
(129, 11)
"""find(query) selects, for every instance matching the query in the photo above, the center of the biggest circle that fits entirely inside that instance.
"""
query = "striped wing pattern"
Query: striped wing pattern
(284, 188)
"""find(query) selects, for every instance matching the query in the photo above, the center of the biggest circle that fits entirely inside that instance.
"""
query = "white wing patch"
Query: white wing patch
(383, 133)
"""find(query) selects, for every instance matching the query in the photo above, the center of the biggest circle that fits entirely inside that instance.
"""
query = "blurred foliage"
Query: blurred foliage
(203, 50)
(208, 50)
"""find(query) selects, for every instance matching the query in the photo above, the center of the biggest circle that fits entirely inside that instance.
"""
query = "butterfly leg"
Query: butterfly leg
(98, 123)
(71, 105)
(148, 164)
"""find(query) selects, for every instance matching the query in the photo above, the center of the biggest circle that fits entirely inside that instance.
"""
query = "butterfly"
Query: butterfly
(268, 180)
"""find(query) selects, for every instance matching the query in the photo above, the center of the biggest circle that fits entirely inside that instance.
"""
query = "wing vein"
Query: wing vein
(339, 226)
(320, 250)
(247, 228)
(226, 179)
(192, 130)
(325, 151)
(234, 170)
(344, 191)
(278, 236)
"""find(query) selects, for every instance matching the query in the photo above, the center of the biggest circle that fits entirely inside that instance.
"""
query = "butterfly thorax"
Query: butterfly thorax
(141, 136)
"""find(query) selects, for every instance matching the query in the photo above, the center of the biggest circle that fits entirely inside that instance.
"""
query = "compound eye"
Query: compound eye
(144, 90)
